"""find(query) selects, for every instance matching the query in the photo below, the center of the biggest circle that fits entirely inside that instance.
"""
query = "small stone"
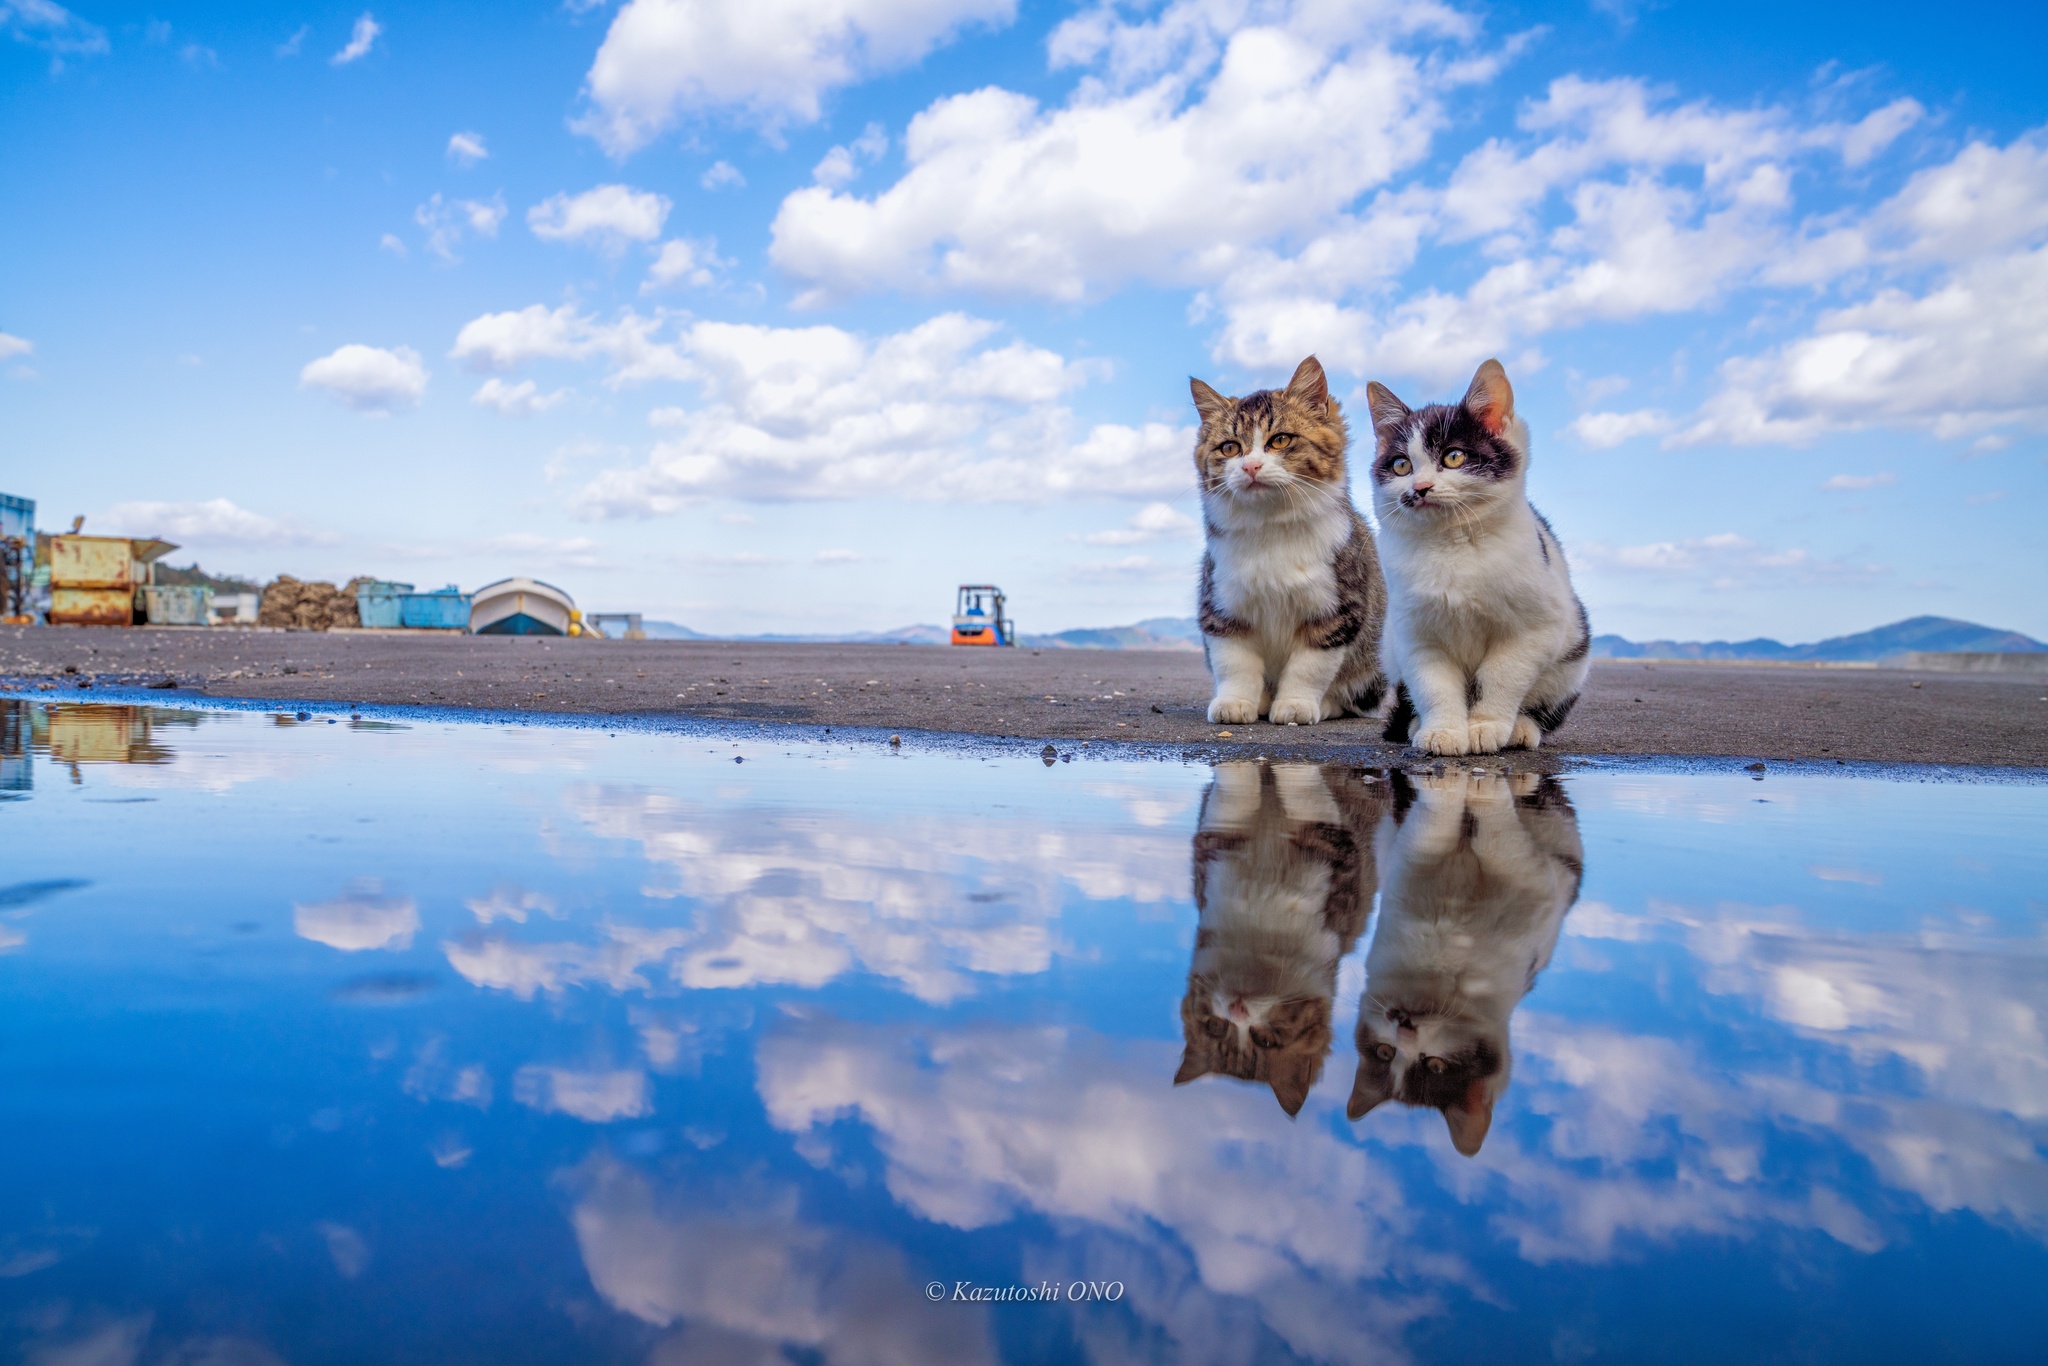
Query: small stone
(1158, 709)
(1916, 685)
(1223, 735)
(896, 740)
(1048, 750)
(305, 716)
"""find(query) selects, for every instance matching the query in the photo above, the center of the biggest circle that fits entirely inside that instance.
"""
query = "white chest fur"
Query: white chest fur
(1470, 588)
(1274, 575)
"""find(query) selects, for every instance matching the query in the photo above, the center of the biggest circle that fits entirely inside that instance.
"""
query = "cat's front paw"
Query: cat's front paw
(1233, 711)
(1443, 740)
(1487, 737)
(1295, 711)
(1528, 735)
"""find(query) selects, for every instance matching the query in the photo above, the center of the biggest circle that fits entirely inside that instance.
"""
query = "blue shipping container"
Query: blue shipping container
(377, 602)
(440, 610)
(17, 516)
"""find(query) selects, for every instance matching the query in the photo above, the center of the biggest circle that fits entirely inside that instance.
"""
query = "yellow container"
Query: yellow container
(92, 562)
(92, 606)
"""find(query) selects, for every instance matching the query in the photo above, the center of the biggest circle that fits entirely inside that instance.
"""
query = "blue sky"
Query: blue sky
(791, 315)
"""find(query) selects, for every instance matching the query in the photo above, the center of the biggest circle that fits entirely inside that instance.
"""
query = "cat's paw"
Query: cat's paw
(1233, 711)
(1487, 737)
(1442, 740)
(1295, 711)
(1528, 735)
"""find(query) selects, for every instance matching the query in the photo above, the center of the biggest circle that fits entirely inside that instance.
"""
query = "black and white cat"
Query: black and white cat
(1486, 643)
(1292, 599)
(1479, 872)
(1284, 879)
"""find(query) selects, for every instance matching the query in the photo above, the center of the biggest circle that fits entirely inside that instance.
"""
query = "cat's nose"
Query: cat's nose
(1424, 485)
(1251, 467)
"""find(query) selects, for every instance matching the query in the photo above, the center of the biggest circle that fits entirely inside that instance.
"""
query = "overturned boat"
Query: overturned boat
(521, 607)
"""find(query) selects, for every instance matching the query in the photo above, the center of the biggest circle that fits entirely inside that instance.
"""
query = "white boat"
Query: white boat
(521, 607)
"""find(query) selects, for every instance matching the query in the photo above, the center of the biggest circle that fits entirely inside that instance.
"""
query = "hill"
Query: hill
(1883, 642)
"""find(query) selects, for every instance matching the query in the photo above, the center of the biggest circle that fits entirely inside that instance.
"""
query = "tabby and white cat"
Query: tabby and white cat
(1480, 870)
(1292, 598)
(1485, 638)
(1284, 879)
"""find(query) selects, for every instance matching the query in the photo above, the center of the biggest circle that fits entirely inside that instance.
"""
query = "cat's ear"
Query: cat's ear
(1470, 1118)
(1311, 387)
(1210, 404)
(1387, 411)
(1292, 1076)
(1191, 1066)
(1371, 1088)
(1491, 399)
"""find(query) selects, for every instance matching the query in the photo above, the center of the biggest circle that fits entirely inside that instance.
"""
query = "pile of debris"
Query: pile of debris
(315, 606)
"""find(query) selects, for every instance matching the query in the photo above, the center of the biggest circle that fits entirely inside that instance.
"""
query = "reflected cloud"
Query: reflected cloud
(594, 1097)
(1284, 879)
(1480, 870)
(362, 918)
(742, 1281)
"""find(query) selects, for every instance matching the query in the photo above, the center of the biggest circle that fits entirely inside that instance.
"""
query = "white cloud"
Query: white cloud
(365, 917)
(723, 174)
(12, 346)
(1727, 560)
(770, 62)
(1839, 482)
(1168, 178)
(369, 379)
(390, 242)
(506, 341)
(47, 25)
(290, 47)
(447, 221)
(360, 40)
(467, 148)
(1154, 521)
(608, 217)
(844, 163)
(1603, 431)
(593, 1097)
(516, 400)
(215, 522)
(684, 261)
(546, 552)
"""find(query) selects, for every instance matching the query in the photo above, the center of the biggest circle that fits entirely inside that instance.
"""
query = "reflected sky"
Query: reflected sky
(464, 1042)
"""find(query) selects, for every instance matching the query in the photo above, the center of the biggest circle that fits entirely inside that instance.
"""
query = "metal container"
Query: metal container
(442, 610)
(178, 606)
(91, 606)
(378, 603)
(17, 517)
(92, 562)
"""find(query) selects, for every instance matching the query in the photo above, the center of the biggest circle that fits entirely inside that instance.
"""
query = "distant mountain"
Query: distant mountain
(902, 635)
(1885, 642)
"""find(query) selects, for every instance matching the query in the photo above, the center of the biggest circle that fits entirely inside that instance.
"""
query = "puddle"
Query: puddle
(455, 1042)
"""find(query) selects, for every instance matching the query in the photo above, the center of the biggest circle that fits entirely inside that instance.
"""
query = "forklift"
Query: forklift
(978, 617)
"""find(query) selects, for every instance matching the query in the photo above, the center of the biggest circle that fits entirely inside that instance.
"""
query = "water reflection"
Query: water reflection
(1284, 879)
(74, 734)
(1480, 870)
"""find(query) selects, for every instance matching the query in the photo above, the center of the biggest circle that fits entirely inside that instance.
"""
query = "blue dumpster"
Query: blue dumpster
(377, 602)
(441, 610)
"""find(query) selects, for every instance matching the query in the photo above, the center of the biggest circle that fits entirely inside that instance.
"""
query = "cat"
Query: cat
(1480, 870)
(1486, 643)
(1284, 880)
(1291, 599)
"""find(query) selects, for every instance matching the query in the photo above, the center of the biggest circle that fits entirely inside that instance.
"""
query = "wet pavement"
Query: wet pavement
(1630, 708)
(398, 1038)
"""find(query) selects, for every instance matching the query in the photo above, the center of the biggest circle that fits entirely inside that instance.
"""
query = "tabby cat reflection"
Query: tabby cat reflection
(1284, 881)
(1292, 599)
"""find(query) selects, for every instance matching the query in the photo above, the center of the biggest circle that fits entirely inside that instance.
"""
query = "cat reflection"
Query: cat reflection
(1284, 881)
(1480, 870)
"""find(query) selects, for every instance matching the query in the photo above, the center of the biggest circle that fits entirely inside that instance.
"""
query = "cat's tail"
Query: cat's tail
(1401, 720)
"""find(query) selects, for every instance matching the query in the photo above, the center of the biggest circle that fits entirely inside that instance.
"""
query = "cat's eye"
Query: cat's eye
(1452, 459)
(1215, 1027)
(1401, 468)
(1228, 449)
(1386, 1052)
(1436, 1065)
(1280, 442)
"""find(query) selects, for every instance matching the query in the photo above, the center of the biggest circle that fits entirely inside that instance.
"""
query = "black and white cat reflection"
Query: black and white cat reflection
(1284, 880)
(1480, 870)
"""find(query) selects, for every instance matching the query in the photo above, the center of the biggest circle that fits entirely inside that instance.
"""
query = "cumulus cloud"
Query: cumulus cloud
(721, 175)
(370, 379)
(523, 399)
(593, 1097)
(48, 25)
(845, 162)
(1603, 431)
(608, 217)
(550, 552)
(361, 39)
(1154, 521)
(467, 149)
(364, 917)
(1726, 560)
(12, 346)
(770, 62)
(1841, 482)
(215, 522)
(447, 221)
(684, 261)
